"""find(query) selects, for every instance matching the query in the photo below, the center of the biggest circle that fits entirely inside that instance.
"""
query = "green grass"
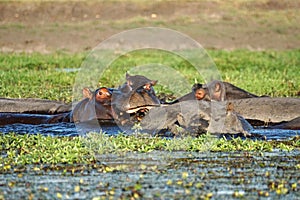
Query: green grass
(38, 76)
(37, 149)
(274, 73)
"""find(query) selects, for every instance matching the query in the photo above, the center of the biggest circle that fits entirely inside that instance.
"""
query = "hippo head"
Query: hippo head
(212, 91)
(135, 95)
(95, 106)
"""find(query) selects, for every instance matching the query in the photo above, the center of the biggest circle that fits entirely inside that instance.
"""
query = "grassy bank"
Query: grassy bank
(274, 73)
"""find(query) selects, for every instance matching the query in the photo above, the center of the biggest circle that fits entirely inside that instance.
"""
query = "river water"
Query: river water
(158, 174)
(162, 175)
(70, 129)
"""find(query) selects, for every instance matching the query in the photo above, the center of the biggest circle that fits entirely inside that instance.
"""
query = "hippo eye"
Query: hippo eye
(100, 93)
(147, 87)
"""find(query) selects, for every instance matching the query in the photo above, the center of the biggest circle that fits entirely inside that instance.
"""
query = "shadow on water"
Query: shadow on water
(70, 129)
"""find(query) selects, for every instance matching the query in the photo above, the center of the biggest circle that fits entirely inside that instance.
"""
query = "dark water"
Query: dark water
(70, 129)
(162, 175)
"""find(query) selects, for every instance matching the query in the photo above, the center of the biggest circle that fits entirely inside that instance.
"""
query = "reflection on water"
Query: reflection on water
(69, 129)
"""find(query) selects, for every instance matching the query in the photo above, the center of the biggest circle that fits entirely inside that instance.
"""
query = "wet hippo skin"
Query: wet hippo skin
(136, 95)
(195, 117)
(260, 111)
(215, 90)
(292, 125)
(95, 106)
(220, 91)
(26, 118)
(37, 106)
(268, 110)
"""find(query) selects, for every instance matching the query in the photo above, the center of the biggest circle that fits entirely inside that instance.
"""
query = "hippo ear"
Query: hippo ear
(127, 76)
(129, 83)
(218, 87)
(87, 93)
(128, 79)
(153, 82)
(196, 86)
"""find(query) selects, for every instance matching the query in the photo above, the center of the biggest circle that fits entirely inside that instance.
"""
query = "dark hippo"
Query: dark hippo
(26, 118)
(259, 111)
(32, 111)
(33, 106)
(220, 91)
(135, 97)
(268, 111)
(194, 118)
(215, 90)
(294, 124)
(95, 105)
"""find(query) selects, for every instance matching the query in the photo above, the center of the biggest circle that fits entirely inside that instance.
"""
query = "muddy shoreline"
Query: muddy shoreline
(47, 27)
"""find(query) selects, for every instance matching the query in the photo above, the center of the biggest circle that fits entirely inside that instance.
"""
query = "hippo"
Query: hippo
(128, 103)
(294, 124)
(195, 118)
(188, 114)
(220, 91)
(215, 90)
(29, 118)
(33, 111)
(33, 106)
(134, 98)
(267, 111)
(95, 105)
(258, 111)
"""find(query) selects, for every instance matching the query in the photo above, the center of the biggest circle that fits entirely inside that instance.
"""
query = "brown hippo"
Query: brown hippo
(220, 91)
(257, 110)
(135, 97)
(95, 105)
(215, 90)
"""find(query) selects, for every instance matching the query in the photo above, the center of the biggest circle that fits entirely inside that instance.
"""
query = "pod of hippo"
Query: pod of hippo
(216, 107)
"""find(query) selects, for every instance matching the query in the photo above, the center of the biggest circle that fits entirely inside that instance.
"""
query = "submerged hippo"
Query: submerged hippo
(195, 117)
(33, 106)
(220, 91)
(32, 111)
(257, 110)
(215, 90)
(135, 97)
(95, 105)
(187, 114)
(269, 111)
